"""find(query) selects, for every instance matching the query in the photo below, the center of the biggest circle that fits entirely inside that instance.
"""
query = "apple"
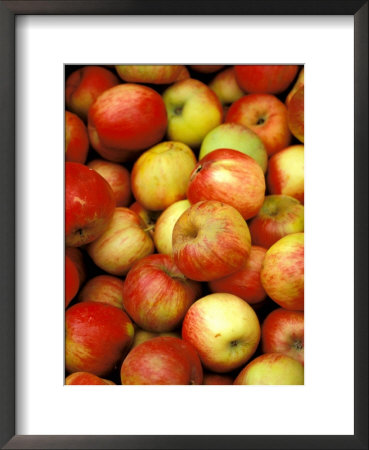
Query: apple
(143, 336)
(295, 114)
(84, 85)
(149, 217)
(71, 280)
(224, 330)
(217, 379)
(124, 242)
(164, 226)
(271, 369)
(97, 337)
(118, 178)
(265, 79)
(193, 110)
(85, 378)
(231, 177)
(89, 204)
(266, 115)
(183, 74)
(76, 139)
(105, 289)
(245, 283)
(283, 332)
(299, 82)
(76, 256)
(161, 174)
(162, 361)
(157, 295)
(206, 68)
(126, 119)
(282, 273)
(280, 215)
(210, 240)
(236, 137)
(154, 74)
(286, 172)
(225, 86)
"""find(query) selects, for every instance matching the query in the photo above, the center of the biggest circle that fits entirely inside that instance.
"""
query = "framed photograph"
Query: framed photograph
(44, 43)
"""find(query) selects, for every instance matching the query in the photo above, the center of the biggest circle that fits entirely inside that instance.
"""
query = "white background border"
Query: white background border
(325, 404)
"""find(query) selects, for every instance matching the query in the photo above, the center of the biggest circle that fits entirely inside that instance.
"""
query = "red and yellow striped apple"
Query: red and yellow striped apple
(76, 139)
(153, 74)
(85, 378)
(104, 289)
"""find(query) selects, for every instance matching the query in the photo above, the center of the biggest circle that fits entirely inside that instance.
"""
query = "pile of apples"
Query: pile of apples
(184, 224)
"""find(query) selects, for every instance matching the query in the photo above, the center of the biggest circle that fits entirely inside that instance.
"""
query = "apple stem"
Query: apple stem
(150, 227)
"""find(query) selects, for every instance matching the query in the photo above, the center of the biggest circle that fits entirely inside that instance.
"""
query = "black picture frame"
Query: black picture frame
(8, 12)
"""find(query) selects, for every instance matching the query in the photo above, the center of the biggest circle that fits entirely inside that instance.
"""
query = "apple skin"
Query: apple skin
(124, 242)
(231, 177)
(97, 337)
(271, 369)
(206, 68)
(89, 204)
(224, 330)
(216, 379)
(282, 274)
(143, 336)
(235, 137)
(245, 283)
(154, 74)
(265, 79)
(286, 172)
(299, 82)
(118, 178)
(295, 114)
(160, 176)
(149, 217)
(280, 215)
(193, 110)
(76, 255)
(266, 116)
(85, 378)
(210, 240)
(105, 289)
(76, 139)
(71, 280)
(283, 332)
(84, 85)
(225, 86)
(164, 226)
(125, 120)
(162, 361)
(157, 295)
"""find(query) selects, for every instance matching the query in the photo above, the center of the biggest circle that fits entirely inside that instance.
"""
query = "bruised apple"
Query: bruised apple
(89, 204)
(210, 240)
(162, 361)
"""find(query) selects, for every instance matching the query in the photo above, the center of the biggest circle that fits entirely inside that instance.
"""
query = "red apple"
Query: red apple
(266, 115)
(125, 120)
(124, 242)
(265, 79)
(153, 74)
(210, 240)
(245, 283)
(118, 178)
(217, 379)
(97, 337)
(162, 361)
(157, 295)
(231, 177)
(104, 289)
(76, 139)
(76, 256)
(283, 332)
(280, 215)
(71, 280)
(85, 378)
(299, 82)
(89, 204)
(271, 369)
(282, 274)
(286, 173)
(84, 86)
(224, 330)
(160, 175)
(295, 114)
